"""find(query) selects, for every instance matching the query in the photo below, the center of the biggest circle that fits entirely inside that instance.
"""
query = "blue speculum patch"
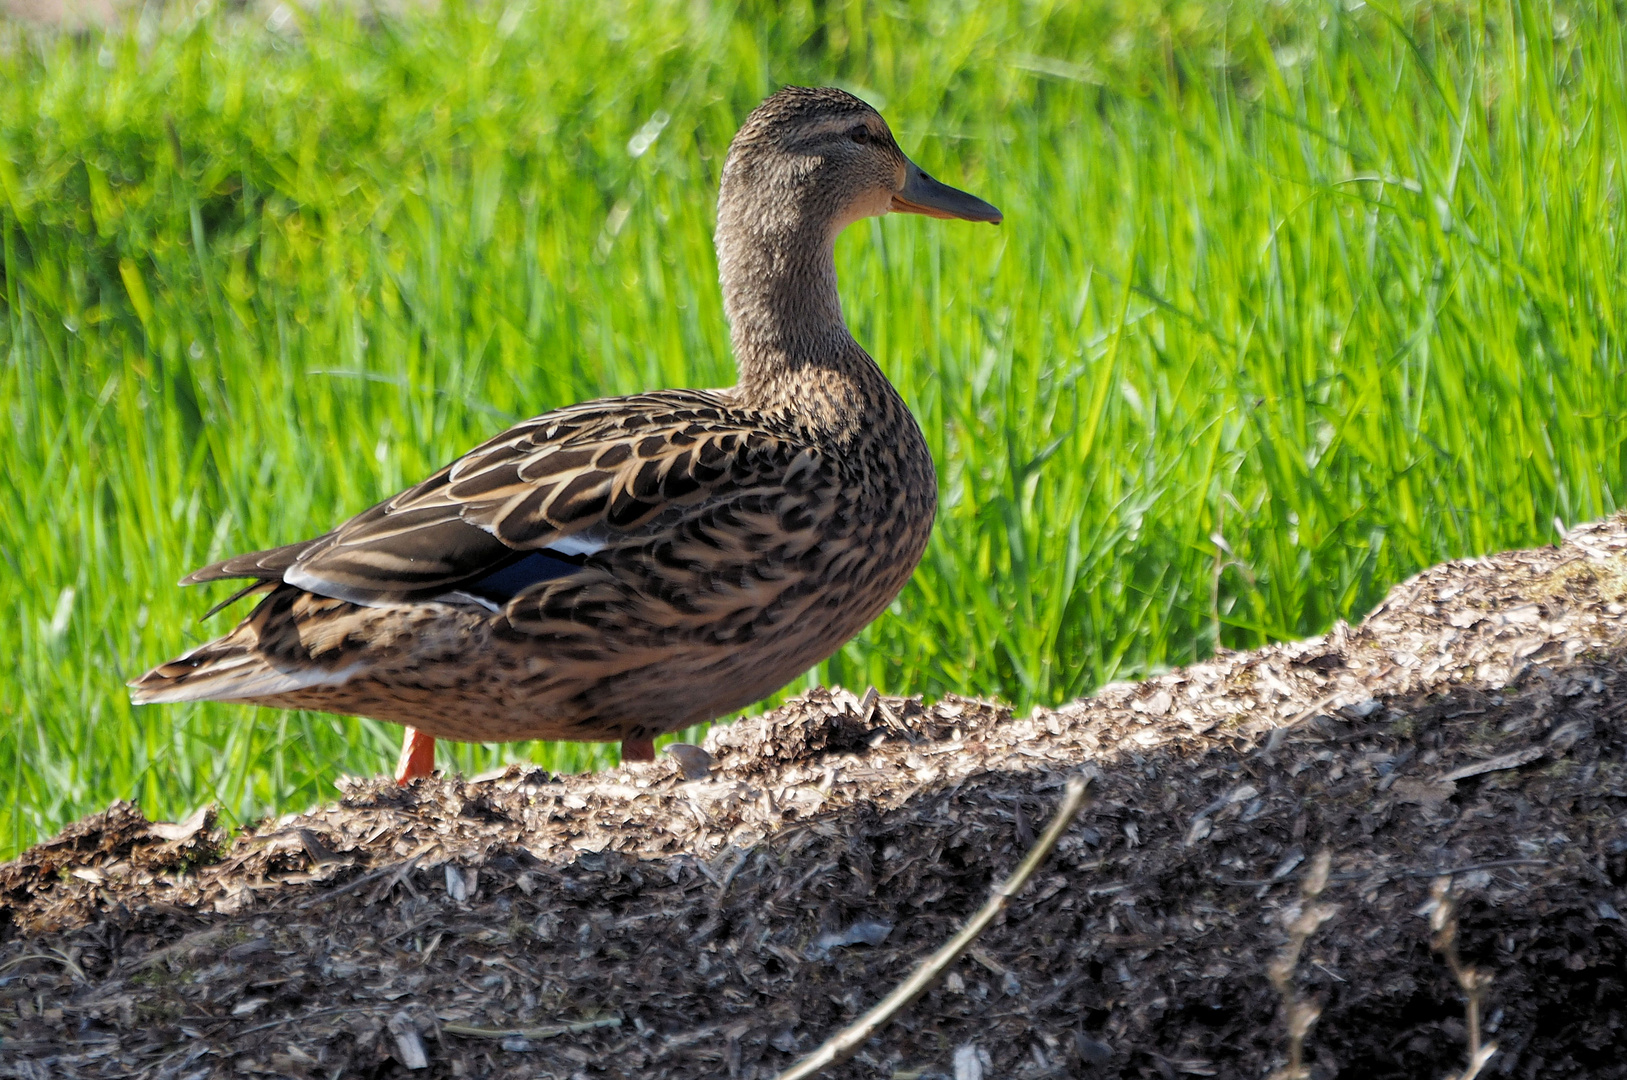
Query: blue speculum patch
(504, 584)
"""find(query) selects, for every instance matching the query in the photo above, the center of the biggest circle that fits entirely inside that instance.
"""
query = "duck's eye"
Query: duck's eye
(860, 134)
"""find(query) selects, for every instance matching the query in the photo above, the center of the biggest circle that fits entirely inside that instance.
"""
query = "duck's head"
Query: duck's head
(813, 161)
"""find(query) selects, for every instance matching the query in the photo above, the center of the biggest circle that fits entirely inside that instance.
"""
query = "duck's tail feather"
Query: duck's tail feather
(227, 669)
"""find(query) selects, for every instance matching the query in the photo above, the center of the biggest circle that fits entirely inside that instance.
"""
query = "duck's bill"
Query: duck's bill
(924, 195)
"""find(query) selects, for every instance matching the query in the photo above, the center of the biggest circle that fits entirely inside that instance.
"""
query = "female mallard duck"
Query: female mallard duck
(626, 567)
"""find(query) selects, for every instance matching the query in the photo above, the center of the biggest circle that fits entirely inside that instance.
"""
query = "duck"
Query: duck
(629, 566)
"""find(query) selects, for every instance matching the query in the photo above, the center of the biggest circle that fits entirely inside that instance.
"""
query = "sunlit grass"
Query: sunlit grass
(1290, 301)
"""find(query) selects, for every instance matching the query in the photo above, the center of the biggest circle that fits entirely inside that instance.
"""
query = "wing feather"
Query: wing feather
(265, 565)
(601, 470)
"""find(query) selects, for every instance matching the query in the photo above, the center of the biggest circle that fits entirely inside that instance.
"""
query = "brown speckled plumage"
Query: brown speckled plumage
(689, 551)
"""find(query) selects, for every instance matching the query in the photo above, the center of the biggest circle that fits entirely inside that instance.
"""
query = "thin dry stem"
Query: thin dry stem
(845, 1043)
(541, 1031)
(1300, 1014)
(1473, 982)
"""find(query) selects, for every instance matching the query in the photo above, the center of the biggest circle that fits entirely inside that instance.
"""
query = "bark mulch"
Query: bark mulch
(637, 924)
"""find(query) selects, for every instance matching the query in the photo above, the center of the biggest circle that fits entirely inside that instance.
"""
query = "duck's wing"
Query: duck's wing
(532, 503)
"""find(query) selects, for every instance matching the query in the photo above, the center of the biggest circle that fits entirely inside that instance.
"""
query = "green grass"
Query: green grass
(1291, 300)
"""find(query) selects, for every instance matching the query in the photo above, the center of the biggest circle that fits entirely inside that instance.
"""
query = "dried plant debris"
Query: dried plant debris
(639, 924)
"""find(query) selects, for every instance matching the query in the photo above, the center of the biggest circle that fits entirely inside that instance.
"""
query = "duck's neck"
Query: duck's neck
(785, 319)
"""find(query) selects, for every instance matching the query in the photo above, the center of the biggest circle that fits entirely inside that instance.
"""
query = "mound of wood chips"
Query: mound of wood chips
(638, 924)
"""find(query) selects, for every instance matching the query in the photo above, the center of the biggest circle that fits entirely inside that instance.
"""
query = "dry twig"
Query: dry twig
(1474, 983)
(400, 870)
(845, 1043)
(55, 956)
(1299, 1013)
(542, 1031)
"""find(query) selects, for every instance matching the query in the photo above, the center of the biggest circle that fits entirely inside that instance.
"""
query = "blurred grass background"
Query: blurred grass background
(1292, 300)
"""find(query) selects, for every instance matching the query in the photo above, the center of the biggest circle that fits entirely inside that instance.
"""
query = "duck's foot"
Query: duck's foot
(637, 750)
(417, 756)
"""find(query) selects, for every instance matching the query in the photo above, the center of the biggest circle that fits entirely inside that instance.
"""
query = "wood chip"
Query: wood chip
(1496, 764)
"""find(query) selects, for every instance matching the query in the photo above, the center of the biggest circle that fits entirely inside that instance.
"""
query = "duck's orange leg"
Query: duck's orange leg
(417, 756)
(638, 750)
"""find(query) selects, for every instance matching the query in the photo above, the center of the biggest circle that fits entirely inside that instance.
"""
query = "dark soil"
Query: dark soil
(1472, 726)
